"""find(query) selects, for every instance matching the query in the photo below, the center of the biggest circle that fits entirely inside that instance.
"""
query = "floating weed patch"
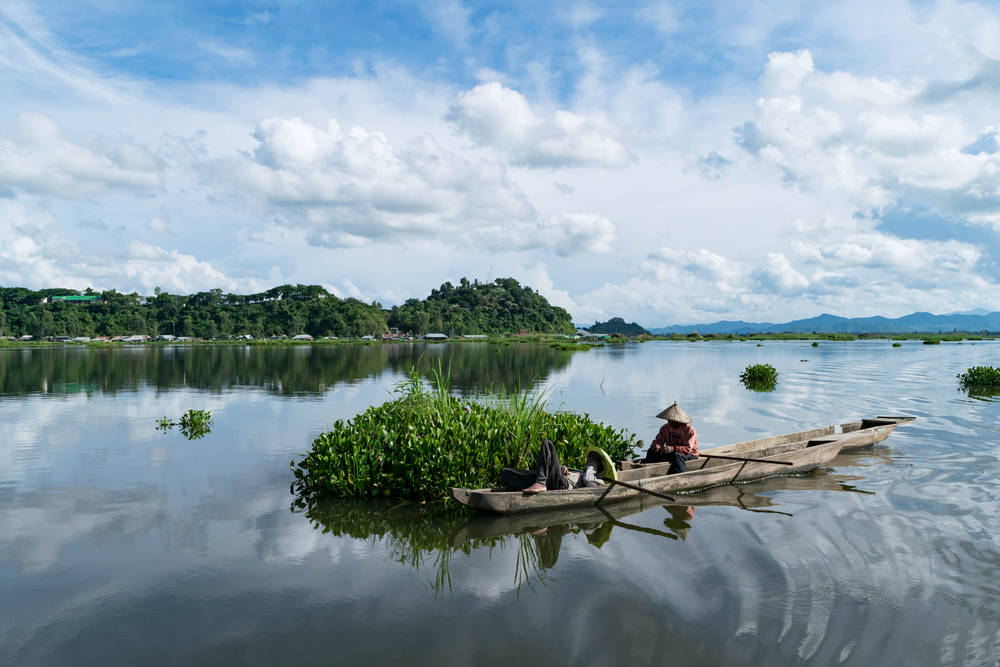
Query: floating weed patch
(194, 424)
(760, 377)
(570, 347)
(815, 344)
(897, 345)
(932, 341)
(416, 446)
(980, 381)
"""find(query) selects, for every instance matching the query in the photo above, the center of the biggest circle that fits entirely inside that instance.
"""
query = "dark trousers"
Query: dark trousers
(548, 472)
(675, 459)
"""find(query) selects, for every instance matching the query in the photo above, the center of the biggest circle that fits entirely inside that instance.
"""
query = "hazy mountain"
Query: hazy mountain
(975, 320)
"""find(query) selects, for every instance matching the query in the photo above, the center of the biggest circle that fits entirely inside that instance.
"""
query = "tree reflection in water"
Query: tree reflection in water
(427, 536)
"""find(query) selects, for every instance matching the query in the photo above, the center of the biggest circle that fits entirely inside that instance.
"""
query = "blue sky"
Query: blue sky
(665, 162)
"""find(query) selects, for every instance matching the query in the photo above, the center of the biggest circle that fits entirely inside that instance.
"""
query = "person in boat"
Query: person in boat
(550, 475)
(676, 442)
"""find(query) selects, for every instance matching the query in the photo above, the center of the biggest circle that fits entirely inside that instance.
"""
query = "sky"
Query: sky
(665, 162)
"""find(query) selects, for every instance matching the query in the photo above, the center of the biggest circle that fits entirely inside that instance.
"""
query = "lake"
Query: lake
(121, 544)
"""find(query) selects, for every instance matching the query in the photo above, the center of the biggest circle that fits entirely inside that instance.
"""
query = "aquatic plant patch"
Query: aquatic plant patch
(194, 424)
(980, 377)
(416, 446)
(760, 377)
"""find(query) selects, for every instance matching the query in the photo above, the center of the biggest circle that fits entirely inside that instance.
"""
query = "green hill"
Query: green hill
(618, 325)
(496, 308)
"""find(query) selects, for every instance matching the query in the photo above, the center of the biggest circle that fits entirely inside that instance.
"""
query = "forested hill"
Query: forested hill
(618, 325)
(498, 308)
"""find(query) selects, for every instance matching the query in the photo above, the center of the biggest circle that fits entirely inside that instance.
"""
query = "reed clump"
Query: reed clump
(415, 446)
(760, 377)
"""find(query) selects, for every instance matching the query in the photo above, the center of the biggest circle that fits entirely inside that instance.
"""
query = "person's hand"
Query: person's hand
(667, 449)
(564, 470)
(655, 447)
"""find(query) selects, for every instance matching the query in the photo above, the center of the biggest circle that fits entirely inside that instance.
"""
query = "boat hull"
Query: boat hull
(805, 450)
(502, 501)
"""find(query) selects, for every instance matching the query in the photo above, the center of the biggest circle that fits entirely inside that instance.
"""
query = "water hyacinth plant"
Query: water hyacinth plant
(194, 424)
(426, 440)
(980, 381)
(760, 377)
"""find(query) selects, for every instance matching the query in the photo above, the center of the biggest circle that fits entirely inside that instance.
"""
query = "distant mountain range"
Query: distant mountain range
(974, 320)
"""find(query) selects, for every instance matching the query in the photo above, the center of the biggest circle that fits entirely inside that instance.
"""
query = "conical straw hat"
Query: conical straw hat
(675, 414)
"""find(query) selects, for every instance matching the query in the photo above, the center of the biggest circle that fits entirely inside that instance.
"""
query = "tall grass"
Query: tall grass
(425, 440)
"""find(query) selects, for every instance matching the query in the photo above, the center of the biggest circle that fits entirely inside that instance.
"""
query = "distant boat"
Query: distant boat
(791, 453)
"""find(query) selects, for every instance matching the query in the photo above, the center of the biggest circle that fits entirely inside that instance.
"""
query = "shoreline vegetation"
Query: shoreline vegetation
(471, 308)
(557, 341)
(424, 440)
(496, 313)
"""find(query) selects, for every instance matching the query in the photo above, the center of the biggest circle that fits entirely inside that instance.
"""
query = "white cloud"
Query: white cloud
(867, 143)
(566, 234)
(976, 23)
(34, 253)
(159, 225)
(36, 156)
(492, 115)
(777, 275)
(354, 186)
(662, 15)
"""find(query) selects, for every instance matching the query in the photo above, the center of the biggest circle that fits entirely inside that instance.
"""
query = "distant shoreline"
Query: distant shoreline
(562, 342)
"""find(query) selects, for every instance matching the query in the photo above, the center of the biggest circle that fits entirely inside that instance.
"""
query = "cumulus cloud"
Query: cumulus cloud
(566, 234)
(35, 156)
(34, 253)
(867, 143)
(348, 189)
(492, 115)
(353, 186)
(776, 274)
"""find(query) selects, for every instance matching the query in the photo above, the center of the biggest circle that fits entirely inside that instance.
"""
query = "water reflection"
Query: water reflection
(283, 370)
(427, 536)
(120, 545)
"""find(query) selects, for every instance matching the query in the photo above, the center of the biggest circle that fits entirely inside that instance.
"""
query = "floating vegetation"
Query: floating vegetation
(897, 345)
(760, 377)
(932, 341)
(194, 424)
(815, 344)
(570, 347)
(980, 381)
(416, 446)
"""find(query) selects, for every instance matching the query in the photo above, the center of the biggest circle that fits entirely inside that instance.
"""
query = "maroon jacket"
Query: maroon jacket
(684, 440)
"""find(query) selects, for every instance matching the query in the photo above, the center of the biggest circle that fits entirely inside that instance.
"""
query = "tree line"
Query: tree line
(288, 310)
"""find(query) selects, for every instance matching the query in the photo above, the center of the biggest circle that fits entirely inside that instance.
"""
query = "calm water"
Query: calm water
(123, 545)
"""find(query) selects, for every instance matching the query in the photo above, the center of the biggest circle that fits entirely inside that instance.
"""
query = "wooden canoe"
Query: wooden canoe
(489, 525)
(804, 450)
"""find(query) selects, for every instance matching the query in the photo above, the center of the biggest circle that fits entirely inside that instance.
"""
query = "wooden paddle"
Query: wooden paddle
(736, 458)
(729, 458)
(611, 482)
